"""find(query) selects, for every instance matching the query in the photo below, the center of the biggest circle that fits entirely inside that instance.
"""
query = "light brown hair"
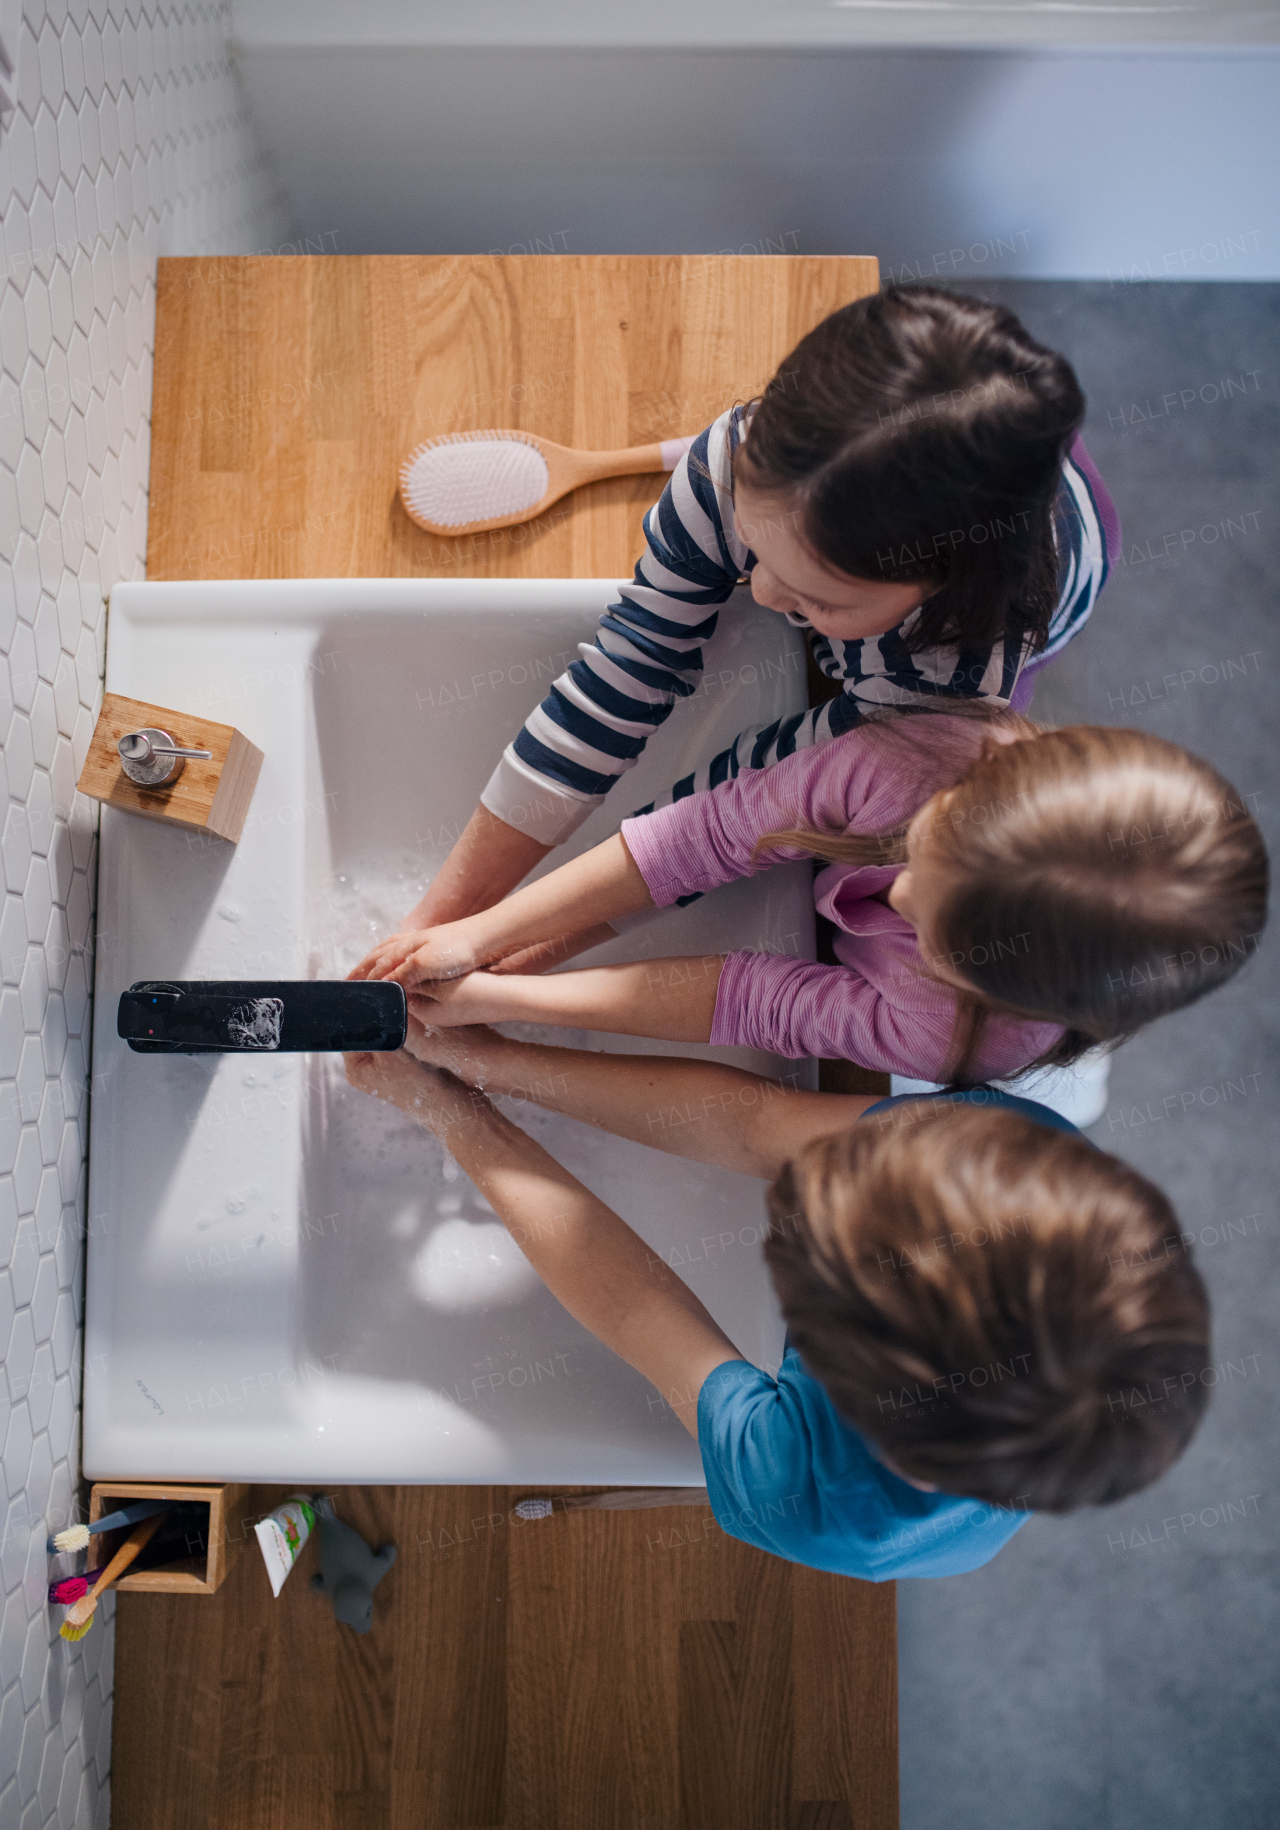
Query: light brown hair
(1098, 878)
(1001, 1310)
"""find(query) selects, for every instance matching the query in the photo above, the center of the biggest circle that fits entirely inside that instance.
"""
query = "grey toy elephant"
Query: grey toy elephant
(349, 1571)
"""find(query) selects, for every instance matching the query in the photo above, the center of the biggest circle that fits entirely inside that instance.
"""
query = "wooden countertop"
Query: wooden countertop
(287, 393)
(636, 1668)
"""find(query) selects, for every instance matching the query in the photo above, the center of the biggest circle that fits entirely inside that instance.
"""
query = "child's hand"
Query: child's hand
(450, 1049)
(481, 997)
(432, 1097)
(390, 1075)
(447, 952)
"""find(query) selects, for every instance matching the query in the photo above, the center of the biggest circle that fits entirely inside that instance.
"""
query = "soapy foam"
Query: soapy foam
(365, 904)
(473, 477)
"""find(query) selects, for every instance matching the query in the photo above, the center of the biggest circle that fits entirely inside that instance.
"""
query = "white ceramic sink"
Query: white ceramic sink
(287, 1281)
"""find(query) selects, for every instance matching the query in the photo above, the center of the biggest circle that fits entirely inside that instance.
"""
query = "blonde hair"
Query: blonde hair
(1095, 878)
(1004, 1311)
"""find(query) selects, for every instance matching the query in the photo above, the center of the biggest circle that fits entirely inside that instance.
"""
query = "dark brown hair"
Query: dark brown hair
(1097, 879)
(920, 434)
(1003, 1311)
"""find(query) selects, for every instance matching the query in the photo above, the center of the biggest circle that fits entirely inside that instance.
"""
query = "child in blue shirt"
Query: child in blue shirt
(971, 1291)
(786, 1473)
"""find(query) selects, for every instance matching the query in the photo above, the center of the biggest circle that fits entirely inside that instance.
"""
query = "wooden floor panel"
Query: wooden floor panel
(562, 1674)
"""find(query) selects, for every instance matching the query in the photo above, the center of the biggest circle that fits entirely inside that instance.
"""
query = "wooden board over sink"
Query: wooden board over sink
(288, 391)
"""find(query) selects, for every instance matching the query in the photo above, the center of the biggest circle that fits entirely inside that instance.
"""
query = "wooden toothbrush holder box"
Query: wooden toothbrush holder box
(211, 797)
(204, 1571)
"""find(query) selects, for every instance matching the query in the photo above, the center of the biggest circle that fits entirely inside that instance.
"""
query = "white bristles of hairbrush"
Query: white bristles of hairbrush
(533, 1509)
(463, 477)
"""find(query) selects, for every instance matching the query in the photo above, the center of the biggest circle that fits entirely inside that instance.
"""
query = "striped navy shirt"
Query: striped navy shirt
(648, 651)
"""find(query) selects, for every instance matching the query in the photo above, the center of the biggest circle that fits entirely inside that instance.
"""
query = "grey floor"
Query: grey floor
(1119, 1667)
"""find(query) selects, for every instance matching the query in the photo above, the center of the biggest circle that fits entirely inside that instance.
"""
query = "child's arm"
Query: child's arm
(901, 1023)
(589, 1259)
(583, 737)
(700, 1110)
(489, 859)
(672, 1000)
(791, 1007)
(696, 843)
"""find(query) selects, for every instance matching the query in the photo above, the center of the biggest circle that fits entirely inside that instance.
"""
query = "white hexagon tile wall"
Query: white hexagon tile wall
(122, 136)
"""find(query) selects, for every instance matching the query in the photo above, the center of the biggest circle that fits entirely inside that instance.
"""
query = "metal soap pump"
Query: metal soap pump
(150, 757)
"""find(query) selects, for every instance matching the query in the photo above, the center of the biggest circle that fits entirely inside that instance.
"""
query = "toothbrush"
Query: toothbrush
(76, 1537)
(80, 1613)
(70, 1589)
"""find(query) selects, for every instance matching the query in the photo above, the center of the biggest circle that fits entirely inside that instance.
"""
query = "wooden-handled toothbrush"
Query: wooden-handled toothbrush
(80, 1613)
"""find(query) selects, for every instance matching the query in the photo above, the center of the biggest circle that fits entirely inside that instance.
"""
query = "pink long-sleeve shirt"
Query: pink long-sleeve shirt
(877, 1007)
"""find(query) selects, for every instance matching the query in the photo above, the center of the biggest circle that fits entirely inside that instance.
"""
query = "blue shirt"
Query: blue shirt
(786, 1473)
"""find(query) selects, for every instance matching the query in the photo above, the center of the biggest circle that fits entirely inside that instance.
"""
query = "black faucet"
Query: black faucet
(250, 1016)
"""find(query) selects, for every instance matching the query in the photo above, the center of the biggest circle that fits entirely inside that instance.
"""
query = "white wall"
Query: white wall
(794, 24)
(1071, 164)
(128, 139)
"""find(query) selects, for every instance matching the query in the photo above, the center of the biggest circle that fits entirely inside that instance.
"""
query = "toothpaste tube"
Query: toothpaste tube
(283, 1535)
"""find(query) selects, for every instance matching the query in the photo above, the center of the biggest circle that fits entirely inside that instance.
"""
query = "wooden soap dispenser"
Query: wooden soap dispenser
(208, 789)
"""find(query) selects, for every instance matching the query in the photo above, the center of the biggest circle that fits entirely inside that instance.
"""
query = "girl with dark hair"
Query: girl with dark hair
(911, 488)
(1003, 897)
